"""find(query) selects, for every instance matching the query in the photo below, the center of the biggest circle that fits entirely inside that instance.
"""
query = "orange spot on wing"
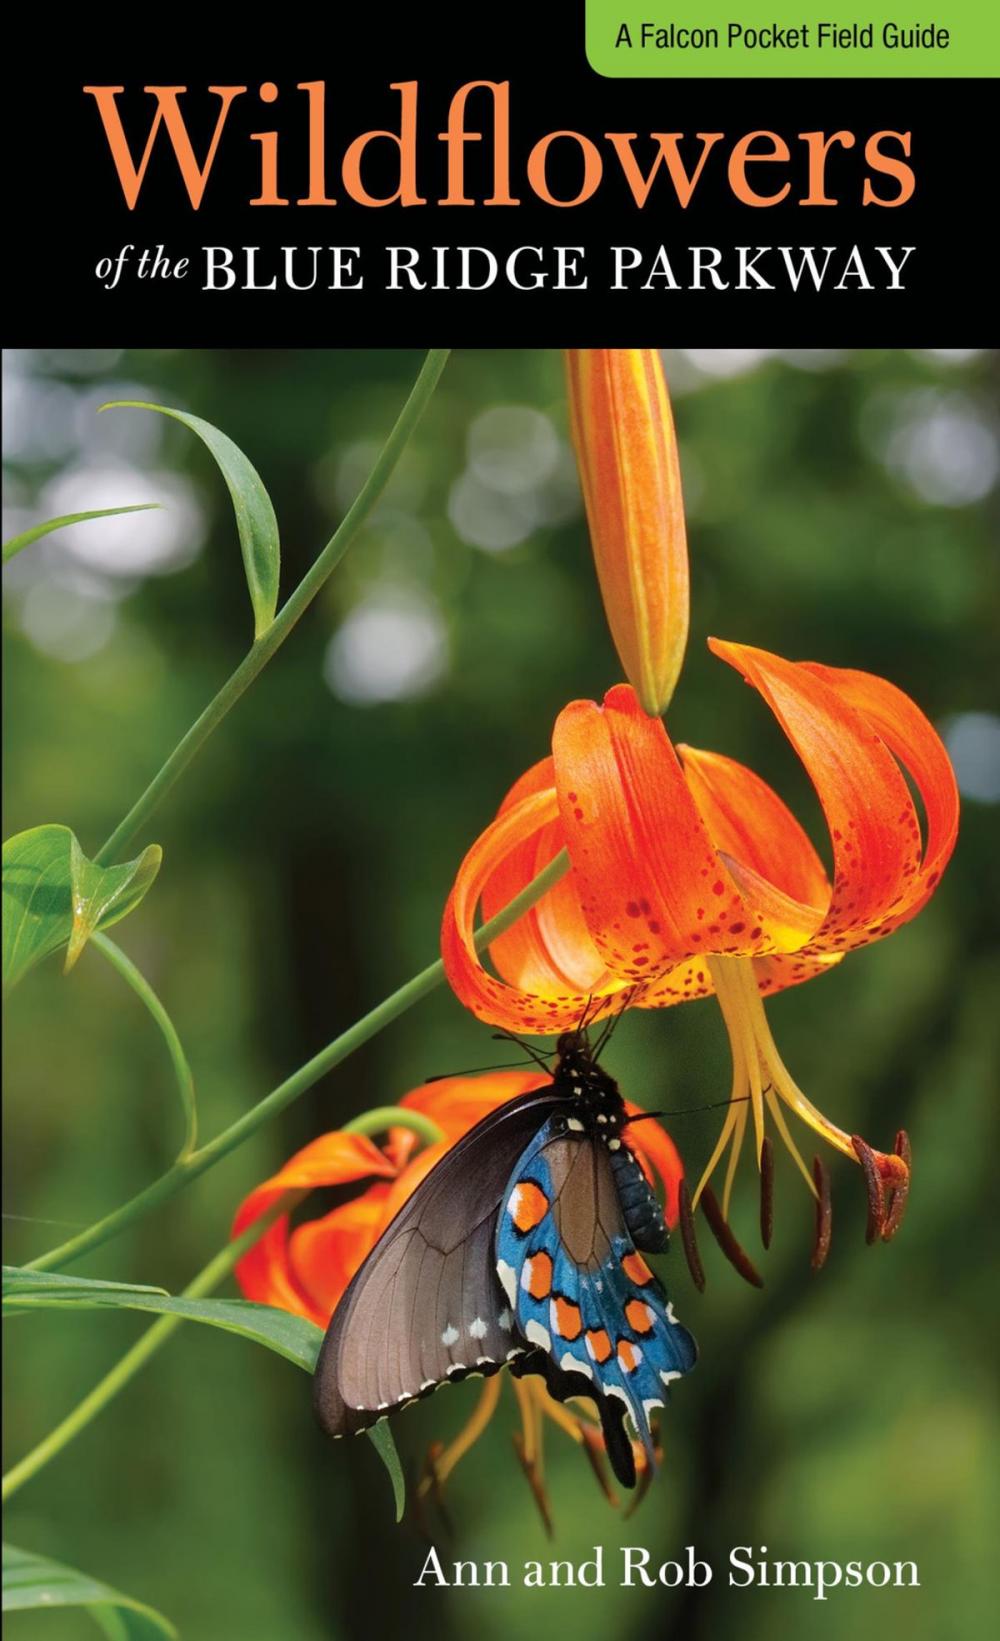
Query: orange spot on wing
(639, 1316)
(637, 1270)
(598, 1344)
(566, 1319)
(538, 1276)
(528, 1205)
(629, 1355)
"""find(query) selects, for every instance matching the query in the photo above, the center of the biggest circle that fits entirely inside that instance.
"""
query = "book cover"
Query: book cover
(499, 890)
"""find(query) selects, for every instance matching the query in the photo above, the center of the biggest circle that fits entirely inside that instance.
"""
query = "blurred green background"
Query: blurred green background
(839, 507)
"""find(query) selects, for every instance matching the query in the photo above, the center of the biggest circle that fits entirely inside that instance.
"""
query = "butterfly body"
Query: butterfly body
(519, 1249)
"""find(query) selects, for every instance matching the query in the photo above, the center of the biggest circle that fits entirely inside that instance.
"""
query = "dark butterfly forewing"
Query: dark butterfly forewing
(427, 1305)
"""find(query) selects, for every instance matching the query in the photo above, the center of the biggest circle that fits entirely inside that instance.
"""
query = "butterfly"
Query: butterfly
(521, 1248)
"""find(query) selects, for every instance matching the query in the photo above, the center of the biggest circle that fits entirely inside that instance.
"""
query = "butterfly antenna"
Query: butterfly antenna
(472, 1071)
(611, 1026)
(688, 1111)
(532, 1052)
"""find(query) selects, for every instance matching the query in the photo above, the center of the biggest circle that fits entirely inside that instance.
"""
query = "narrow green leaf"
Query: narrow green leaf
(385, 1446)
(255, 520)
(33, 1581)
(54, 896)
(17, 544)
(22, 1282)
(290, 1336)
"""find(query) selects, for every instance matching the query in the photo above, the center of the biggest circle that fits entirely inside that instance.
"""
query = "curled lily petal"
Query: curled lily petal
(549, 949)
(748, 821)
(652, 885)
(913, 740)
(873, 823)
(556, 1006)
(623, 433)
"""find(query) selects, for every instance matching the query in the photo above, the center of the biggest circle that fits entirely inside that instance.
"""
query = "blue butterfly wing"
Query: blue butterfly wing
(580, 1292)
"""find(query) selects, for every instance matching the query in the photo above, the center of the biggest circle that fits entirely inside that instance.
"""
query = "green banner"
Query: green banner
(744, 39)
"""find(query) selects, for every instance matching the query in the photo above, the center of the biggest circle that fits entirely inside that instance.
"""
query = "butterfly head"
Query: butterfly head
(601, 1107)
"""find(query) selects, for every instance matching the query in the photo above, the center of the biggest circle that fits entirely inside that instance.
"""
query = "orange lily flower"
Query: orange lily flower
(623, 433)
(689, 875)
(307, 1269)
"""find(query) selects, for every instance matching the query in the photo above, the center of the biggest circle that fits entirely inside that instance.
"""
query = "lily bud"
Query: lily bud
(627, 454)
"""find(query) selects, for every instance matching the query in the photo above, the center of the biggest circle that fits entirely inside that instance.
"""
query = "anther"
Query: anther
(644, 1481)
(896, 1205)
(873, 1182)
(530, 1468)
(824, 1215)
(688, 1238)
(594, 1449)
(766, 1191)
(734, 1252)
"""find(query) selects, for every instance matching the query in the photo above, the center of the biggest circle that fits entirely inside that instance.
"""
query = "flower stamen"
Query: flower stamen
(898, 1193)
(824, 1214)
(441, 1463)
(724, 1236)
(874, 1186)
(689, 1239)
(766, 1192)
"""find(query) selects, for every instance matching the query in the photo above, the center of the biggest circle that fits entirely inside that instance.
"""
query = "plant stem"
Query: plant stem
(383, 1117)
(354, 1037)
(271, 640)
(144, 1347)
(182, 1071)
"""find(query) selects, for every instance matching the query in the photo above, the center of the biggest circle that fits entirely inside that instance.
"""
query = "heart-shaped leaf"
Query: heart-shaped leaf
(30, 1581)
(293, 1337)
(255, 519)
(17, 544)
(54, 896)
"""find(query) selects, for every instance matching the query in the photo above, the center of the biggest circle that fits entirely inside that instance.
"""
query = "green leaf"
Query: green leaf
(382, 1440)
(21, 1282)
(291, 1336)
(31, 1581)
(255, 520)
(16, 544)
(54, 896)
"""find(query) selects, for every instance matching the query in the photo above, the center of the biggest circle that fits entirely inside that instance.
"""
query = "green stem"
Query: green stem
(395, 1116)
(145, 1347)
(353, 1038)
(178, 1059)
(290, 612)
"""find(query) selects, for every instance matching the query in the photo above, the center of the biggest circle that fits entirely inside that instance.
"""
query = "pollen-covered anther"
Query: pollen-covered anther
(874, 1186)
(898, 1192)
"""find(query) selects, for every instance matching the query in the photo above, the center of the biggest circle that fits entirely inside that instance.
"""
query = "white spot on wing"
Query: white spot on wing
(668, 1377)
(537, 1335)
(505, 1321)
(576, 1125)
(508, 1280)
(450, 1336)
(571, 1364)
(478, 1328)
(649, 1407)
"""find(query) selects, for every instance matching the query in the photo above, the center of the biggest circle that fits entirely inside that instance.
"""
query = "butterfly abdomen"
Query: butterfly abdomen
(640, 1209)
